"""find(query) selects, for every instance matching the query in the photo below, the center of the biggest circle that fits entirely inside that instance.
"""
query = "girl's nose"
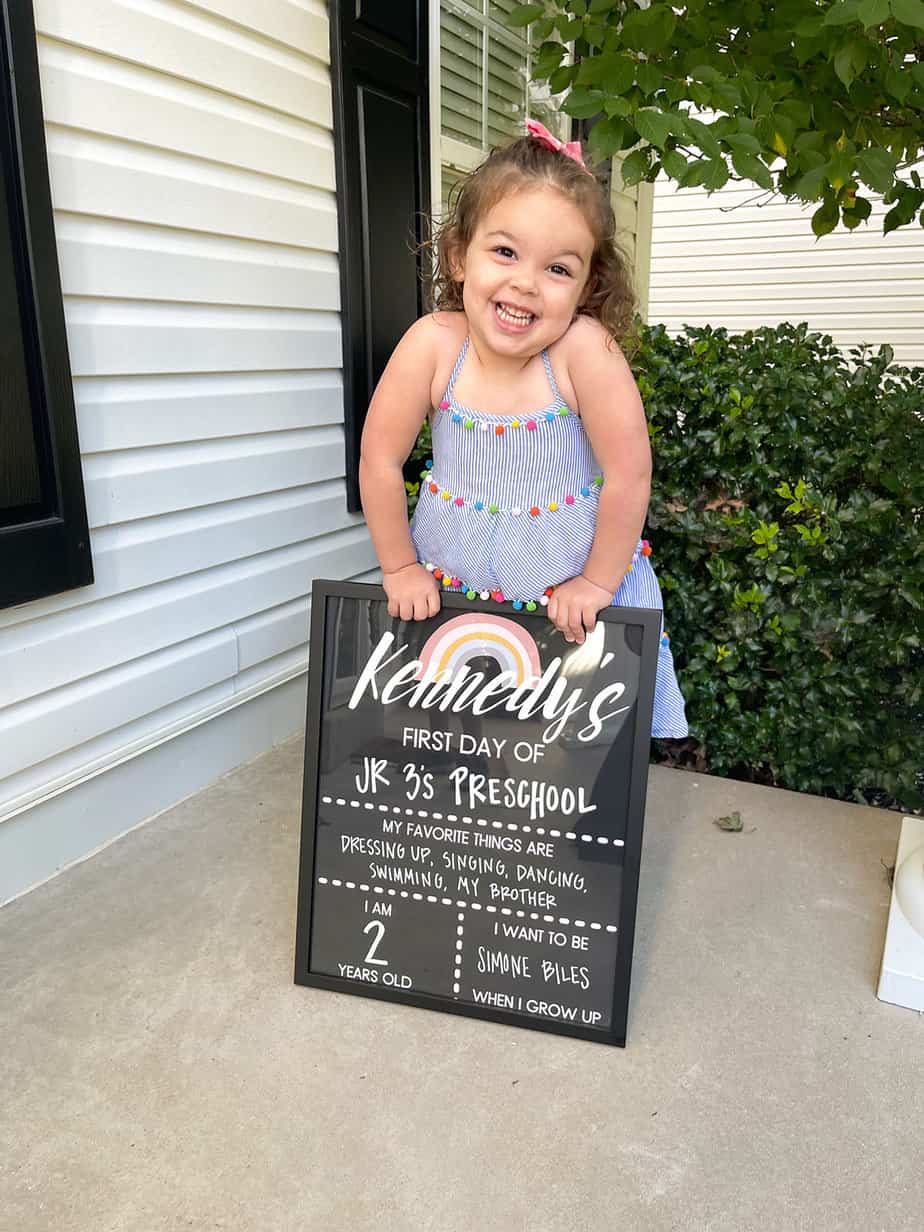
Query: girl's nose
(523, 280)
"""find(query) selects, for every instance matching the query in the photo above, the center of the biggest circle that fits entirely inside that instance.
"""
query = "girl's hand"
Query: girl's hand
(413, 593)
(574, 605)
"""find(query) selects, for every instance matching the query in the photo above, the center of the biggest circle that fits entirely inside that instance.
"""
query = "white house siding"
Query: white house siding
(192, 175)
(740, 260)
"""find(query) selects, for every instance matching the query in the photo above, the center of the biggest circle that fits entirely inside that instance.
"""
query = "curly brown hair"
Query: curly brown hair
(527, 163)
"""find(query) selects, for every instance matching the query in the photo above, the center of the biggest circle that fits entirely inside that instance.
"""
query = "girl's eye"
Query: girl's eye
(561, 268)
(503, 249)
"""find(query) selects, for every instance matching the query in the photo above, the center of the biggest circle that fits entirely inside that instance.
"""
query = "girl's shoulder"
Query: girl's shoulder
(430, 347)
(582, 345)
(447, 332)
(584, 336)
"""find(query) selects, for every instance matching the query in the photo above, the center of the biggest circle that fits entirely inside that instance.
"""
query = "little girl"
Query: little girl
(541, 462)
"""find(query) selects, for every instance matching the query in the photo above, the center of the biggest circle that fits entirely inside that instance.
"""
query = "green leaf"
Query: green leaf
(649, 29)
(568, 28)
(909, 12)
(548, 60)
(590, 70)
(850, 61)
(523, 14)
(653, 125)
(824, 220)
(842, 13)
(808, 160)
(808, 141)
(751, 168)
(595, 33)
(907, 200)
(898, 83)
(674, 164)
(811, 185)
(617, 105)
(648, 77)
(798, 111)
(726, 95)
(716, 174)
(746, 142)
(696, 173)
(583, 103)
(703, 136)
(618, 73)
(562, 78)
(874, 12)
(706, 73)
(877, 166)
(858, 211)
(634, 167)
(607, 137)
(838, 170)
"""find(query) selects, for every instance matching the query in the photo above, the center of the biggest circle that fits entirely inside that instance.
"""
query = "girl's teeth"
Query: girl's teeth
(517, 318)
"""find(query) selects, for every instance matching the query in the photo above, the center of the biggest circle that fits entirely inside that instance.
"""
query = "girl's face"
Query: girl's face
(525, 271)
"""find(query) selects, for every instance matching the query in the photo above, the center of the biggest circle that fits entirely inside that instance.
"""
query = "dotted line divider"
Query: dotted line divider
(462, 905)
(400, 810)
(457, 968)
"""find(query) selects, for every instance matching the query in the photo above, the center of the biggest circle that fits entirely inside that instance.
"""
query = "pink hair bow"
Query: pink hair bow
(571, 149)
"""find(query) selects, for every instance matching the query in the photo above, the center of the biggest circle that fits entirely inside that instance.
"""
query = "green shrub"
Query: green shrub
(413, 468)
(786, 528)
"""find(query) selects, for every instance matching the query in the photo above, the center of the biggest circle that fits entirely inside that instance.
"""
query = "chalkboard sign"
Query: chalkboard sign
(473, 805)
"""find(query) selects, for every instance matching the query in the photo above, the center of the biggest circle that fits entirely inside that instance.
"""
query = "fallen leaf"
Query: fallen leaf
(725, 502)
(732, 822)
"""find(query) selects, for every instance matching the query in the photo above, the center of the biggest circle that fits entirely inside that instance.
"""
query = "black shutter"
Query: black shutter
(44, 543)
(380, 75)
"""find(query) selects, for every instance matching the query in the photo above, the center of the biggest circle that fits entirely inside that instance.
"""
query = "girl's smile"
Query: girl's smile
(525, 270)
(514, 319)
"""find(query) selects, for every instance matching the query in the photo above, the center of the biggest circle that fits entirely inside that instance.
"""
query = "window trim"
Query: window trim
(50, 554)
(448, 151)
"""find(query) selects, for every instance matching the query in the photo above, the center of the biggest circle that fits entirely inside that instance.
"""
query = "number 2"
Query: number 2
(370, 956)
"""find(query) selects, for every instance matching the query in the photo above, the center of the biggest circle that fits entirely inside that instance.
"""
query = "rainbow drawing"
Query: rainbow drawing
(473, 635)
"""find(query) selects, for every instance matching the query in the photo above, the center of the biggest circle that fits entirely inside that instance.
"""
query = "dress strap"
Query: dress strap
(551, 375)
(457, 369)
(454, 376)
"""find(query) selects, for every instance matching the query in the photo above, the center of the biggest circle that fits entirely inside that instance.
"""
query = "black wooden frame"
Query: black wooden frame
(50, 552)
(362, 57)
(650, 621)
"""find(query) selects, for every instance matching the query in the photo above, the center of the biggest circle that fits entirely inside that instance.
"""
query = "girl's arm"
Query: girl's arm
(399, 406)
(614, 419)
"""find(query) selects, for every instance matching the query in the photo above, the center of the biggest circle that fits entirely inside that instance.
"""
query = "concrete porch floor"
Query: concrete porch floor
(161, 1071)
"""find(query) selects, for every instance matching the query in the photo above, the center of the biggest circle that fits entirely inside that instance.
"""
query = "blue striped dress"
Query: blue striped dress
(509, 508)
